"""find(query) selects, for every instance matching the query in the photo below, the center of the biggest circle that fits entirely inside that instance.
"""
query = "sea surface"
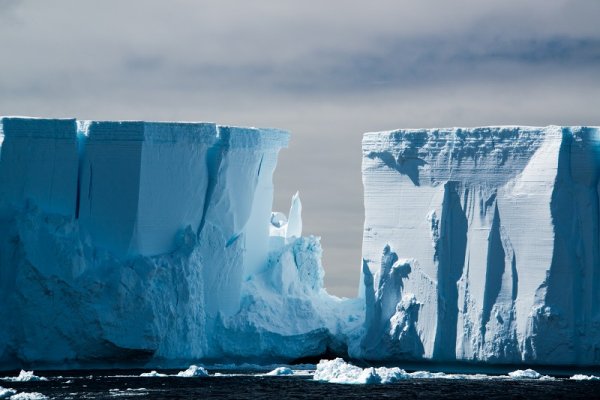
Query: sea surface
(230, 384)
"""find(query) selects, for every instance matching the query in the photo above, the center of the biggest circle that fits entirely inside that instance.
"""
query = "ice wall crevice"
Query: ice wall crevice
(506, 219)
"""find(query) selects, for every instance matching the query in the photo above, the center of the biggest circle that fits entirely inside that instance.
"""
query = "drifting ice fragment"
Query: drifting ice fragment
(193, 371)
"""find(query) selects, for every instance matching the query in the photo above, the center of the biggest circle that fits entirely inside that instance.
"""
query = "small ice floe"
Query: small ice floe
(580, 377)
(129, 392)
(529, 374)
(152, 374)
(339, 371)
(281, 371)
(442, 375)
(193, 371)
(6, 393)
(24, 376)
(29, 396)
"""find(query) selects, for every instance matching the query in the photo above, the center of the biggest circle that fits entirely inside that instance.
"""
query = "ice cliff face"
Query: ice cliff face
(147, 243)
(482, 244)
(136, 242)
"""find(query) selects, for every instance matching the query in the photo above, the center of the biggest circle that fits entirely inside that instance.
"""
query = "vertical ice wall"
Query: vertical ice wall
(142, 182)
(137, 240)
(236, 223)
(489, 225)
(38, 162)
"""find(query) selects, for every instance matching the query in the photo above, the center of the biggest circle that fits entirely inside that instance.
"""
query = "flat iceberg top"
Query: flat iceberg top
(145, 131)
(205, 132)
(38, 127)
(240, 137)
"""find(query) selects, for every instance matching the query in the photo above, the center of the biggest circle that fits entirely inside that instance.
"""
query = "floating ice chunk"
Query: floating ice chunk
(339, 371)
(25, 376)
(130, 392)
(6, 393)
(580, 377)
(428, 375)
(193, 371)
(152, 374)
(390, 375)
(281, 371)
(525, 374)
(29, 396)
(442, 375)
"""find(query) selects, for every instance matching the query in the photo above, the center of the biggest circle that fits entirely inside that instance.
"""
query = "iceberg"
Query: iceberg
(482, 244)
(29, 396)
(146, 244)
(140, 243)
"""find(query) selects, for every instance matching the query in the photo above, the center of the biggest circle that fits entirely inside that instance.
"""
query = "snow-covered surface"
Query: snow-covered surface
(28, 396)
(152, 374)
(24, 376)
(525, 374)
(482, 244)
(193, 371)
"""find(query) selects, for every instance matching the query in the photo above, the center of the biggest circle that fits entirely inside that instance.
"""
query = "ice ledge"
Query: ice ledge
(37, 127)
(154, 131)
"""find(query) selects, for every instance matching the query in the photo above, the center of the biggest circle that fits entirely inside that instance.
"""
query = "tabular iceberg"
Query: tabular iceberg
(140, 242)
(482, 245)
(153, 243)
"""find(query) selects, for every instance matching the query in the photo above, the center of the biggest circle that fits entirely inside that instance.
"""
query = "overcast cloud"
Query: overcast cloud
(325, 70)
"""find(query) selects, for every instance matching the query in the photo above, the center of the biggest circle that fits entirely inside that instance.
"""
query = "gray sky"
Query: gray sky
(325, 70)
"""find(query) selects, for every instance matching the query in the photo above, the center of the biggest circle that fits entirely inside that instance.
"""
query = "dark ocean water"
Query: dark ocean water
(117, 385)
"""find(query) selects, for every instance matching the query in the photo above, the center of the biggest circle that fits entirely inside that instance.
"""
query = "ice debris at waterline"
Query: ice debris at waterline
(193, 371)
(339, 371)
(29, 396)
(6, 393)
(154, 243)
(281, 371)
(135, 242)
(482, 244)
(24, 376)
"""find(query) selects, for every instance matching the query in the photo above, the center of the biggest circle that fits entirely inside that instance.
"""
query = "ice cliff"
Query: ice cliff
(149, 242)
(154, 243)
(482, 245)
